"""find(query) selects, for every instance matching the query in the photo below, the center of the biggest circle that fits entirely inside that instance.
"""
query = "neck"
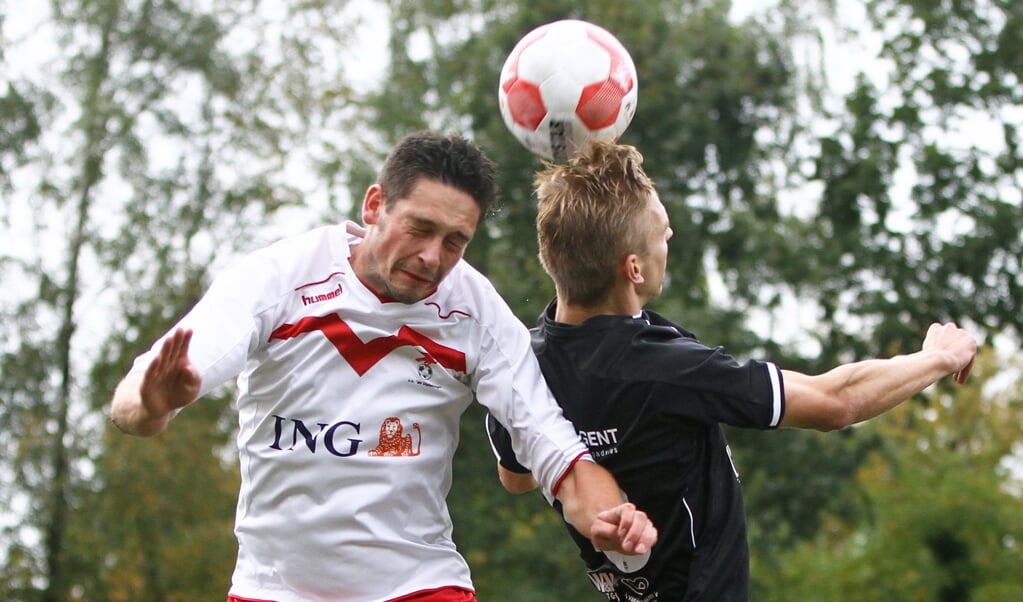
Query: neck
(622, 301)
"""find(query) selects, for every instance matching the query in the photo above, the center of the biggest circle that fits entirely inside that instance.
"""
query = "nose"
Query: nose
(431, 252)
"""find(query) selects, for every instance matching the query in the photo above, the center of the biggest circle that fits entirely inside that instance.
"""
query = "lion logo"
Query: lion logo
(393, 442)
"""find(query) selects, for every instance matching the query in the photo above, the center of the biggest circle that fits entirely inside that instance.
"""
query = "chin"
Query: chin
(411, 295)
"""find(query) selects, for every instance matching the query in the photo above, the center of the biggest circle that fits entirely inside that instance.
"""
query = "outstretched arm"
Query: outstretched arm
(859, 391)
(592, 503)
(144, 401)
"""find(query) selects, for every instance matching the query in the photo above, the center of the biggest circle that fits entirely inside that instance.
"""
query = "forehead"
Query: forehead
(655, 205)
(439, 205)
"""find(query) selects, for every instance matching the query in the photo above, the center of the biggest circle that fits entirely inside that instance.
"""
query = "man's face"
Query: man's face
(655, 262)
(412, 244)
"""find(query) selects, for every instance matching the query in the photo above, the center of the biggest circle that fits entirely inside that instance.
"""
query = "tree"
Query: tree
(147, 150)
(874, 266)
(731, 125)
(944, 520)
(952, 248)
(165, 136)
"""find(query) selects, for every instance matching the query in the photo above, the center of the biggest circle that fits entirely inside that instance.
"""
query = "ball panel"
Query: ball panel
(579, 59)
(622, 70)
(510, 68)
(525, 104)
(560, 94)
(600, 104)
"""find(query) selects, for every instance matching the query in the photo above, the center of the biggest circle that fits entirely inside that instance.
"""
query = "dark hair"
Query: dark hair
(448, 159)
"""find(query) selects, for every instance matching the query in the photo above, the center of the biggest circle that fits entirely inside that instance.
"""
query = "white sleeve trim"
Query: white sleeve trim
(774, 374)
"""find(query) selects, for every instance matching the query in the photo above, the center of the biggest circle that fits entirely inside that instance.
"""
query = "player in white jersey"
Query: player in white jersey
(356, 350)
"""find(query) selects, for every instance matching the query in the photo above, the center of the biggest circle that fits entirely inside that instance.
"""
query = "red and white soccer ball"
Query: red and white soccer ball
(566, 83)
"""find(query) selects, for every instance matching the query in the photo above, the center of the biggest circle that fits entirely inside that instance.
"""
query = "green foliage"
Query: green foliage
(953, 252)
(942, 520)
(167, 534)
(164, 137)
(150, 143)
(19, 127)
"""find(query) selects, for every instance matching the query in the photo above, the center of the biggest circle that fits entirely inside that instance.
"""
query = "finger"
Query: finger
(650, 536)
(153, 370)
(643, 535)
(164, 358)
(626, 517)
(179, 343)
(177, 348)
(631, 527)
(614, 515)
(167, 350)
(604, 535)
(964, 373)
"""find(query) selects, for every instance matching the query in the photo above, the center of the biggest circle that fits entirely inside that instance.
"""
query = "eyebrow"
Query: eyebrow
(425, 222)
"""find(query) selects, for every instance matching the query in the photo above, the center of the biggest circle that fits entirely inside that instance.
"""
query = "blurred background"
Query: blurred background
(838, 175)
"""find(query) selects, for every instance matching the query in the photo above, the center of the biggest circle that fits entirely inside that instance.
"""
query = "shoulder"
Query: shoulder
(467, 297)
(283, 264)
(649, 347)
(667, 327)
(468, 290)
(334, 238)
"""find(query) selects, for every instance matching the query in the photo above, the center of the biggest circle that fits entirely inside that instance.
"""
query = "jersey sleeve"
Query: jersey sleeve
(509, 383)
(227, 323)
(717, 388)
(501, 445)
(707, 384)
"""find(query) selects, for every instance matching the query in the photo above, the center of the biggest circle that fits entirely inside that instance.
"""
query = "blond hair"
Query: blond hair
(589, 218)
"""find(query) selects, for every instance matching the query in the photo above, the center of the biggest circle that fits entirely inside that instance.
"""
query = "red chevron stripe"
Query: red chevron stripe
(363, 356)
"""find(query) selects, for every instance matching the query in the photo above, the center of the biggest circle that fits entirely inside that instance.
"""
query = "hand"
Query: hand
(623, 529)
(959, 345)
(170, 382)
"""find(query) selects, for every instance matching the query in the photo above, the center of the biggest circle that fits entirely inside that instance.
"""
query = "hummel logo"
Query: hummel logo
(310, 299)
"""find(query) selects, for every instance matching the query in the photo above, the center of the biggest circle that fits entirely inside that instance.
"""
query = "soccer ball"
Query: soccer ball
(564, 84)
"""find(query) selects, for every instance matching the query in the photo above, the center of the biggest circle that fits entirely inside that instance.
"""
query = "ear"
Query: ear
(373, 204)
(631, 269)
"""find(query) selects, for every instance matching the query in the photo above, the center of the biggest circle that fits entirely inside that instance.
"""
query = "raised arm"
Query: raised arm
(859, 391)
(144, 401)
(593, 504)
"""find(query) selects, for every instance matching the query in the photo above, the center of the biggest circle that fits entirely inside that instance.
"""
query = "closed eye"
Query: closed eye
(456, 243)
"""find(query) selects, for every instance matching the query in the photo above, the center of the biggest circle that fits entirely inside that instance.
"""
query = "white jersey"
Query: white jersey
(348, 413)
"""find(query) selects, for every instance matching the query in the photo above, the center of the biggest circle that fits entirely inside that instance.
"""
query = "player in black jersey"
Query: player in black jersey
(648, 398)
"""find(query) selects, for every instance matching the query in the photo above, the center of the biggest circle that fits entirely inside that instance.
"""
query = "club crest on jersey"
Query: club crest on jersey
(393, 442)
(424, 369)
(425, 366)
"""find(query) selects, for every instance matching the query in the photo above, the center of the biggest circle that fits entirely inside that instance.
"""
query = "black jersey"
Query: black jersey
(648, 399)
